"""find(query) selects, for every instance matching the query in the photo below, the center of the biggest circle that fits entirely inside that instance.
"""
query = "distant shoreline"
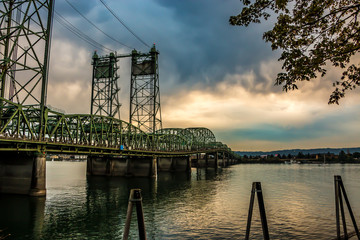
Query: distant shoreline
(335, 151)
(300, 161)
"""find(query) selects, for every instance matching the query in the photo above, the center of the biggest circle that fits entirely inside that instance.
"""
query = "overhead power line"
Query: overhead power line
(73, 7)
(123, 23)
(79, 33)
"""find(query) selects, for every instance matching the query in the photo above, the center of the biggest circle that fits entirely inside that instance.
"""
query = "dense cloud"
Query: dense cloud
(211, 74)
(193, 37)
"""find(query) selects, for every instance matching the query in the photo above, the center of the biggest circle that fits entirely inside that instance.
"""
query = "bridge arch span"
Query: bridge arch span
(202, 137)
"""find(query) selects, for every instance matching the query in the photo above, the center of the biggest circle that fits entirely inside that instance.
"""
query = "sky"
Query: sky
(212, 74)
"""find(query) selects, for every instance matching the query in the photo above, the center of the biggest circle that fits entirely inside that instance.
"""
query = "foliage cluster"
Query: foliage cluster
(311, 34)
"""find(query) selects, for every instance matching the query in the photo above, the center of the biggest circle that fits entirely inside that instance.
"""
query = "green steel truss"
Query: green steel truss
(105, 90)
(145, 111)
(94, 134)
(25, 33)
(190, 139)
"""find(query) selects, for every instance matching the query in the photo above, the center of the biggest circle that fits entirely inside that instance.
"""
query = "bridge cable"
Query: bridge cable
(123, 23)
(79, 33)
(73, 7)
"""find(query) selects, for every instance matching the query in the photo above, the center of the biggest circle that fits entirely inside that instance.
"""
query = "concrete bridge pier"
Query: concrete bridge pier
(209, 160)
(216, 163)
(121, 166)
(174, 164)
(227, 160)
(212, 160)
(141, 167)
(223, 160)
(23, 173)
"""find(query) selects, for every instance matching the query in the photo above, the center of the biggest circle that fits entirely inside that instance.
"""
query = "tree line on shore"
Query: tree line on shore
(342, 157)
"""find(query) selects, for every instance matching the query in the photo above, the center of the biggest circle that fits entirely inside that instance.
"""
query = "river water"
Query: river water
(299, 202)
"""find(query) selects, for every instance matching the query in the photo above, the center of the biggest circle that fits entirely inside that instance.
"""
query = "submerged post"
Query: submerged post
(135, 198)
(256, 188)
(339, 207)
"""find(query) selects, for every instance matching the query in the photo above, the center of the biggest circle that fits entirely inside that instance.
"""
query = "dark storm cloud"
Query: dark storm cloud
(211, 74)
(194, 37)
(94, 11)
(83, 6)
(207, 47)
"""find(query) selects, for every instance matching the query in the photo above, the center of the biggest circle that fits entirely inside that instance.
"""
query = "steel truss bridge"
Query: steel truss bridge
(27, 124)
(94, 135)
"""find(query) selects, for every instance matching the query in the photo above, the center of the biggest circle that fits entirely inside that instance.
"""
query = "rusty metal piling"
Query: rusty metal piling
(256, 188)
(339, 207)
(135, 198)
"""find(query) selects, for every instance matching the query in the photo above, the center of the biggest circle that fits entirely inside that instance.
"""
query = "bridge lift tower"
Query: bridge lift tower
(105, 90)
(25, 34)
(145, 111)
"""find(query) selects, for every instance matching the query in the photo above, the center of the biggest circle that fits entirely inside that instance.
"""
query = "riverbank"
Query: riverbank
(296, 161)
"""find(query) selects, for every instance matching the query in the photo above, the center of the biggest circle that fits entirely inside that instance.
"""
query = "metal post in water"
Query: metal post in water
(135, 198)
(339, 192)
(252, 197)
(140, 213)
(128, 216)
(337, 189)
(256, 188)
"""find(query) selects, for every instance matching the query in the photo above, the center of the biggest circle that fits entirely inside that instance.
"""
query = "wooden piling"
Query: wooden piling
(256, 188)
(135, 198)
(339, 207)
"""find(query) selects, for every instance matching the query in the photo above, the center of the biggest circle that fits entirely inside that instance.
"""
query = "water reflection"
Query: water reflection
(95, 207)
(205, 204)
(162, 197)
(22, 216)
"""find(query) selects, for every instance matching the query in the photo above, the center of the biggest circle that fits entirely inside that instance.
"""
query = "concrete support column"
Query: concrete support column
(206, 160)
(188, 169)
(38, 179)
(216, 160)
(89, 164)
(23, 173)
(127, 168)
(96, 165)
(165, 164)
(122, 166)
(154, 168)
(174, 164)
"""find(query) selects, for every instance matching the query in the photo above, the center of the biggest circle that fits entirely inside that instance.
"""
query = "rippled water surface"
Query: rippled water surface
(299, 202)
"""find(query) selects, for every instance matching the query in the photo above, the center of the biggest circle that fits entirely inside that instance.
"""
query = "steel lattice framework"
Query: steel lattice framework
(202, 137)
(145, 111)
(105, 90)
(190, 139)
(25, 28)
(93, 134)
